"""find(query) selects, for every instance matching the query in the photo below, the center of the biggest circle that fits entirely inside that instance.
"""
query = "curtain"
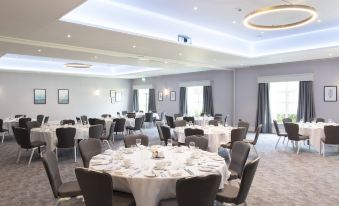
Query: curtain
(263, 108)
(135, 100)
(306, 110)
(183, 101)
(208, 100)
(151, 101)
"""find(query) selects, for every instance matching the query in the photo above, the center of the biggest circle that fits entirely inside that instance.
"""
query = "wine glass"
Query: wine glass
(192, 145)
(138, 142)
(169, 142)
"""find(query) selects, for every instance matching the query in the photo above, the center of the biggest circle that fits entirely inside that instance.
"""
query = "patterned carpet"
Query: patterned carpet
(282, 178)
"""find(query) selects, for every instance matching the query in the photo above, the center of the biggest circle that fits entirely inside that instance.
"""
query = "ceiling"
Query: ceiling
(146, 37)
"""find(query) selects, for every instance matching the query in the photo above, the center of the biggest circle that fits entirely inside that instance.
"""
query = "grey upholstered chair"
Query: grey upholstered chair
(189, 119)
(137, 125)
(66, 140)
(46, 119)
(292, 130)
(170, 121)
(158, 124)
(200, 141)
(88, 149)
(331, 137)
(95, 131)
(110, 136)
(119, 125)
(218, 117)
(287, 120)
(40, 118)
(256, 137)
(213, 122)
(176, 116)
(245, 125)
(180, 123)
(67, 121)
(149, 118)
(60, 189)
(166, 132)
(195, 191)
(280, 134)
(236, 135)
(319, 119)
(130, 140)
(19, 115)
(106, 115)
(33, 124)
(22, 137)
(131, 115)
(240, 153)
(97, 189)
(84, 119)
(191, 131)
(3, 131)
(238, 195)
(23, 122)
(124, 113)
(91, 121)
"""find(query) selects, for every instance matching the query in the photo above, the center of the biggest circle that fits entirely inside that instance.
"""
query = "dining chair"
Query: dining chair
(213, 122)
(84, 119)
(191, 131)
(124, 113)
(240, 152)
(189, 119)
(331, 137)
(166, 132)
(89, 148)
(236, 135)
(161, 118)
(60, 189)
(67, 121)
(23, 122)
(22, 137)
(103, 123)
(110, 136)
(170, 121)
(33, 124)
(131, 115)
(238, 195)
(78, 120)
(218, 117)
(46, 119)
(137, 125)
(256, 137)
(176, 116)
(158, 125)
(3, 131)
(149, 118)
(279, 134)
(106, 115)
(66, 140)
(97, 189)
(287, 120)
(130, 140)
(91, 121)
(293, 135)
(199, 141)
(244, 124)
(195, 191)
(40, 118)
(95, 131)
(19, 115)
(119, 125)
(180, 123)
(319, 119)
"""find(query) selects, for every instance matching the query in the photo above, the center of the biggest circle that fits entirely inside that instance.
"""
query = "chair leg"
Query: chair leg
(30, 158)
(255, 150)
(229, 154)
(284, 140)
(56, 153)
(298, 146)
(19, 154)
(277, 143)
(75, 153)
(3, 137)
(323, 149)
(107, 142)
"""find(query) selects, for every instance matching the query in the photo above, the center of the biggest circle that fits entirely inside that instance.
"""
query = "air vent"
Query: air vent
(184, 39)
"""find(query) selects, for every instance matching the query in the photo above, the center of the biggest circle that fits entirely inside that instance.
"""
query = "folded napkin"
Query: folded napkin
(174, 173)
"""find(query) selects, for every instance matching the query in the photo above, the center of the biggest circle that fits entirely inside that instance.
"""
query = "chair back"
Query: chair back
(65, 137)
(257, 133)
(34, 124)
(40, 118)
(276, 127)
(170, 121)
(1, 124)
(176, 116)
(213, 122)
(19, 115)
(84, 119)
(239, 157)
(149, 117)
(189, 119)
(131, 115)
(130, 140)
(95, 131)
(23, 122)
(88, 149)
(245, 125)
(158, 124)
(16, 135)
(319, 119)
(286, 120)
(23, 138)
(102, 122)
(166, 132)
(331, 134)
(199, 141)
(191, 131)
(92, 121)
(138, 123)
(124, 113)
(292, 131)
(52, 169)
(237, 135)
(111, 131)
(106, 115)
(67, 121)
(198, 191)
(180, 123)
(46, 119)
(96, 187)
(246, 181)
(162, 116)
(119, 124)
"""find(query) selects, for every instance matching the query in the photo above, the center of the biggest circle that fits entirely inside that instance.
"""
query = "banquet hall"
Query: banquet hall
(169, 103)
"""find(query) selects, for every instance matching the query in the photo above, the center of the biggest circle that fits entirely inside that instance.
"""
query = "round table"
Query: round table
(201, 120)
(149, 185)
(8, 123)
(47, 134)
(216, 135)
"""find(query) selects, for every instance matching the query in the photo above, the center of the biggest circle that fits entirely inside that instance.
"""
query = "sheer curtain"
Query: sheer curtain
(135, 100)
(263, 108)
(208, 100)
(183, 101)
(306, 110)
(151, 101)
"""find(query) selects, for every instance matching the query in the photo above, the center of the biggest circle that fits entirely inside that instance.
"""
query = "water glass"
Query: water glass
(192, 145)
(138, 142)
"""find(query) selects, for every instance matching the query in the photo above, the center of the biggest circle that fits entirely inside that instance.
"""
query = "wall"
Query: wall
(16, 95)
(326, 72)
(222, 86)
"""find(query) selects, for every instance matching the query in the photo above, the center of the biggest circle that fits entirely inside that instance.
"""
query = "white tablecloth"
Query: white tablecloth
(315, 131)
(215, 135)
(148, 191)
(201, 121)
(139, 114)
(47, 134)
(9, 122)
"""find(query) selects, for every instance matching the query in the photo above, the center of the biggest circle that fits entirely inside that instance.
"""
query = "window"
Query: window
(194, 100)
(284, 100)
(143, 99)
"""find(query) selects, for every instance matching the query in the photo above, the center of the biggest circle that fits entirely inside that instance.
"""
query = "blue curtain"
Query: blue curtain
(263, 109)
(208, 100)
(151, 101)
(306, 110)
(135, 100)
(183, 101)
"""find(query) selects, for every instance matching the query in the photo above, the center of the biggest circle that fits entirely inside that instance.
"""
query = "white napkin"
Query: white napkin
(174, 173)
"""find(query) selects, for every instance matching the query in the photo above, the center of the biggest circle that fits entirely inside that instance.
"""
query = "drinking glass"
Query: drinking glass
(192, 145)
(138, 142)
(169, 142)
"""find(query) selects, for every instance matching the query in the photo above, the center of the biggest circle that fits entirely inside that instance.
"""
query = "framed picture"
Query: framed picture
(39, 96)
(160, 96)
(330, 93)
(113, 94)
(172, 96)
(63, 96)
(118, 97)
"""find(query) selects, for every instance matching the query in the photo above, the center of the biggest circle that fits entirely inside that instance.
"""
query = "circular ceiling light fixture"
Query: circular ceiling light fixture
(78, 65)
(312, 15)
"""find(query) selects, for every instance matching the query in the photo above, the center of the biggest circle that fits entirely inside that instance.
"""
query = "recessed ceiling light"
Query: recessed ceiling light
(78, 65)
(195, 8)
(319, 20)
(69, 36)
(39, 50)
(234, 22)
(134, 46)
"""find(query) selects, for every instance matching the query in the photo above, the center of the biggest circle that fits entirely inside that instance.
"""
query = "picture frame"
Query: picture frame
(330, 93)
(118, 96)
(112, 94)
(63, 96)
(160, 96)
(39, 96)
(172, 96)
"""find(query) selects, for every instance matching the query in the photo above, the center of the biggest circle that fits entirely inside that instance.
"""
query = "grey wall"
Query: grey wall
(326, 72)
(222, 85)
(16, 95)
